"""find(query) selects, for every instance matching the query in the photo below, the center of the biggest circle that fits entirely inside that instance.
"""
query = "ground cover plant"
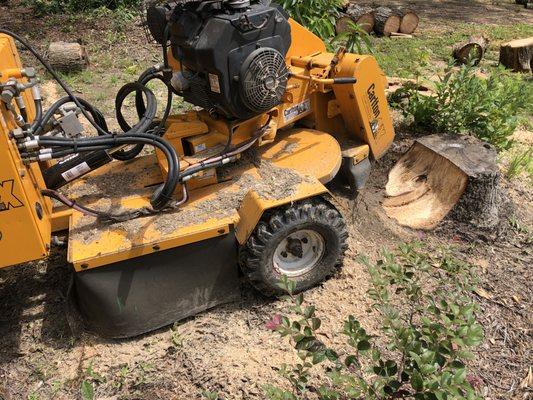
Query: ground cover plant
(427, 332)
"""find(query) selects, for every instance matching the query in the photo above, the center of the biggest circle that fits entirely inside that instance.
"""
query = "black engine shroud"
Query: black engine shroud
(232, 57)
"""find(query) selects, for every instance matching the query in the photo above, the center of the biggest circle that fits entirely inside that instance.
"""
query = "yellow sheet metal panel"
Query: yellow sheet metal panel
(61, 218)
(271, 180)
(308, 151)
(304, 42)
(25, 225)
(364, 105)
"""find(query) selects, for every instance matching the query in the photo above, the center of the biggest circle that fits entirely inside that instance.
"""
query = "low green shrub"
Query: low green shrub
(355, 40)
(465, 103)
(55, 6)
(428, 328)
(319, 16)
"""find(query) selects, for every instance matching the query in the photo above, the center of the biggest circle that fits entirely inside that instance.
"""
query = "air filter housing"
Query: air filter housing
(232, 55)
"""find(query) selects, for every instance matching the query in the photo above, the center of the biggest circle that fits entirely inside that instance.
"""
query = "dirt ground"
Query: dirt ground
(228, 350)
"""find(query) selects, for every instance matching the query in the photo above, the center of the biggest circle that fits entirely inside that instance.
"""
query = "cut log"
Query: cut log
(409, 20)
(473, 49)
(518, 55)
(362, 16)
(443, 174)
(67, 57)
(387, 21)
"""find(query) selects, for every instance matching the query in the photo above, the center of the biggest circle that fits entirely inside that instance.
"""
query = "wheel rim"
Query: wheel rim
(299, 253)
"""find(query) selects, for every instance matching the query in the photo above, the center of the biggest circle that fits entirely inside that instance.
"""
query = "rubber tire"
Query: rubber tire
(256, 256)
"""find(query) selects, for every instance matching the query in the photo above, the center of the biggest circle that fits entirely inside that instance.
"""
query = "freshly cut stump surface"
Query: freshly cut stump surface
(387, 21)
(518, 55)
(409, 20)
(444, 173)
(362, 16)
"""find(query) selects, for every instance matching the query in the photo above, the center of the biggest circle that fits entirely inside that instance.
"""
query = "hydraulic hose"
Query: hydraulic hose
(163, 194)
(54, 75)
(95, 113)
(38, 115)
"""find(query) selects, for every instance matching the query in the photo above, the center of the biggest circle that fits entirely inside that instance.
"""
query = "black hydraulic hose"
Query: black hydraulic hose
(95, 113)
(149, 75)
(91, 212)
(151, 108)
(24, 114)
(163, 194)
(54, 75)
(146, 116)
(38, 115)
(141, 106)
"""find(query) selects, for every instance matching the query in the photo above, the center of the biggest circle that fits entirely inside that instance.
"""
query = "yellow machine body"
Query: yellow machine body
(319, 126)
(25, 216)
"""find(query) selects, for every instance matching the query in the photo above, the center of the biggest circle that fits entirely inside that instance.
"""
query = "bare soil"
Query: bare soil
(228, 350)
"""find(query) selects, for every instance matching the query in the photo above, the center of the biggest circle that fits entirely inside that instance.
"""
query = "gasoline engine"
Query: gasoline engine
(231, 54)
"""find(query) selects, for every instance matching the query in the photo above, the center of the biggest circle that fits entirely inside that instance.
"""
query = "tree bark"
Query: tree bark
(362, 16)
(386, 21)
(474, 48)
(409, 20)
(518, 55)
(67, 57)
(445, 175)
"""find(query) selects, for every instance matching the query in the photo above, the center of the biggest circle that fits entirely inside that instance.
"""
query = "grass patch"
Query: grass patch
(431, 52)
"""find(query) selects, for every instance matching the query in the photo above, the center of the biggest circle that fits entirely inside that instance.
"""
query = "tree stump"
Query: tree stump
(67, 57)
(474, 48)
(517, 55)
(387, 21)
(409, 20)
(362, 16)
(443, 174)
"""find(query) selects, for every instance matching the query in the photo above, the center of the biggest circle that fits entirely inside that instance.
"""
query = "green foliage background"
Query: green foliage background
(57, 6)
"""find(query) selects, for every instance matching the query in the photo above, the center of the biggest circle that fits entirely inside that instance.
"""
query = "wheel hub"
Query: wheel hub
(299, 253)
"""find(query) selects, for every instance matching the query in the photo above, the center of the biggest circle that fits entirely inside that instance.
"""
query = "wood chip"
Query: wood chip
(527, 383)
(483, 293)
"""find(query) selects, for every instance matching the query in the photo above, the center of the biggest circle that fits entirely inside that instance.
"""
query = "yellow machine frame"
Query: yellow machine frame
(337, 101)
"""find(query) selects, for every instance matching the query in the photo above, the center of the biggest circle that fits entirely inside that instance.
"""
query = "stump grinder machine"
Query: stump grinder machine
(235, 189)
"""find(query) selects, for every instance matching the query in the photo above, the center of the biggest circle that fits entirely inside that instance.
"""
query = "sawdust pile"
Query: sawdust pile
(106, 185)
(275, 183)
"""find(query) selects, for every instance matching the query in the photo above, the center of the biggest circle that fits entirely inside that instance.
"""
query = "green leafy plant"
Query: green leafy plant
(87, 390)
(355, 39)
(521, 162)
(428, 328)
(319, 16)
(210, 395)
(87, 385)
(465, 103)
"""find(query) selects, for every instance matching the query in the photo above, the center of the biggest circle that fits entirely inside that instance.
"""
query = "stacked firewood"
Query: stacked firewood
(384, 21)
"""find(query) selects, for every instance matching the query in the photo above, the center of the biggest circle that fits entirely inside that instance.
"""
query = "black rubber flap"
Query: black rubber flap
(133, 297)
